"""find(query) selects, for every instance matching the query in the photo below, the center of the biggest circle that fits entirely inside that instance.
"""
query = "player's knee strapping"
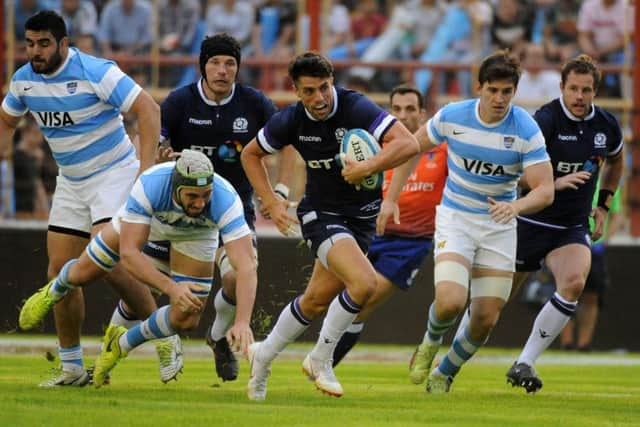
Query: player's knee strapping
(200, 286)
(101, 254)
(492, 286)
(451, 271)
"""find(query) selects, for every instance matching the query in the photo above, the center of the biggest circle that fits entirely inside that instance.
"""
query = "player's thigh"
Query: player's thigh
(569, 265)
(322, 231)
(192, 263)
(347, 261)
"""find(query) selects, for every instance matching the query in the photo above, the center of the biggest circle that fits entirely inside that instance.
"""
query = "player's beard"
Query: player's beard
(49, 66)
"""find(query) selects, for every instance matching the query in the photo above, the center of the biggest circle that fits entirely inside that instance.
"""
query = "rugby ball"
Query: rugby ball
(360, 145)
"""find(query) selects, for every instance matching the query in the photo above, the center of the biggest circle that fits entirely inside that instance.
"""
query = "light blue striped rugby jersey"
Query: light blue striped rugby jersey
(78, 109)
(484, 159)
(150, 202)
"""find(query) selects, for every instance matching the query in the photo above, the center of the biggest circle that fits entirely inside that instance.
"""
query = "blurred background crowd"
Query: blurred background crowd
(375, 45)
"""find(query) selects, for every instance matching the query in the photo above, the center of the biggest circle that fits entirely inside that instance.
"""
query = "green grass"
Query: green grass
(376, 394)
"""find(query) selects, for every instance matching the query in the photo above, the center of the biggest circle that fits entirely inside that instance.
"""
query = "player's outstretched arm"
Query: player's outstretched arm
(253, 165)
(390, 203)
(243, 260)
(539, 177)
(8, 124)
(133, 237)
(148, 113)
(286, 167)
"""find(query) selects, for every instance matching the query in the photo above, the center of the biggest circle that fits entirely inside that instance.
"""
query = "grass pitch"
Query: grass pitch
(594, 391)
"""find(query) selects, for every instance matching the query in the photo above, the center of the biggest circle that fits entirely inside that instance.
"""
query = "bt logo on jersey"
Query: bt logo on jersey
(320, 163)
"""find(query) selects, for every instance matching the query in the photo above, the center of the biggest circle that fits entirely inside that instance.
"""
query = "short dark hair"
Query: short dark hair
(310, 64)
(500, 65)
(47, 20)
(582, 64)
(403, 90)
(219, 44)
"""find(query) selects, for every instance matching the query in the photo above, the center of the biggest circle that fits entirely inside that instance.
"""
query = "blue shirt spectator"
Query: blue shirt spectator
(23, 10)
(125, 26)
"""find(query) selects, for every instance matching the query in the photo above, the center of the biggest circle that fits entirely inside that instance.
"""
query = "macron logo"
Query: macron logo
(200, 121)
(304, 138)
(567, 137)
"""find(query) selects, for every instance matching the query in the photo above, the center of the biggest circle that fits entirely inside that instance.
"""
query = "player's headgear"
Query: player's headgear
(193, 169)
(220, 44)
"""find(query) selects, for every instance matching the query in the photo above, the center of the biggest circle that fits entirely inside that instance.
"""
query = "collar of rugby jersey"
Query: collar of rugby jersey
(575, 118)
(214, 103)
(491, 125)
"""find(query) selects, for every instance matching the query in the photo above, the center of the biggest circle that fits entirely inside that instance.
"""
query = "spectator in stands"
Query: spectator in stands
(30, 197)
(408, 32)
(275, 29)
(537, 86)
(23, 10)
(603, 29)
(234, 17)
(461, 37)
(82, 21)
(560, 35)
(178, 24)
(512, 25)
(274, 35)
(125, 27)
(428, 15)
(7, 205)
(340, 44)
(358, 84)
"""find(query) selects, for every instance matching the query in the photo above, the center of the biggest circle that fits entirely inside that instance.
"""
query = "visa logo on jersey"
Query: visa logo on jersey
(55, 118)
(483, 168)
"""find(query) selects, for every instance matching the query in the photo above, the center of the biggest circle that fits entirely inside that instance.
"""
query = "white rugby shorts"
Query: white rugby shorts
(201, 249)
(478, 238)
(79, 205)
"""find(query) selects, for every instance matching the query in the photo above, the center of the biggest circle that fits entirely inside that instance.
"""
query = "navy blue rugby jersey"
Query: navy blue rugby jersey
(190, 120)
(318, 142)
(574, 145)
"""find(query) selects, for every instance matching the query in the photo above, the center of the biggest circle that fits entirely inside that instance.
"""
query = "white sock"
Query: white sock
(462, 349)
(122, 317)
(71, 358)
(436, 328)
(156, 326)
(341, 314)
(290, 325)
(355, 327)
(550, 322)
(61, 286)
(225, 315)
